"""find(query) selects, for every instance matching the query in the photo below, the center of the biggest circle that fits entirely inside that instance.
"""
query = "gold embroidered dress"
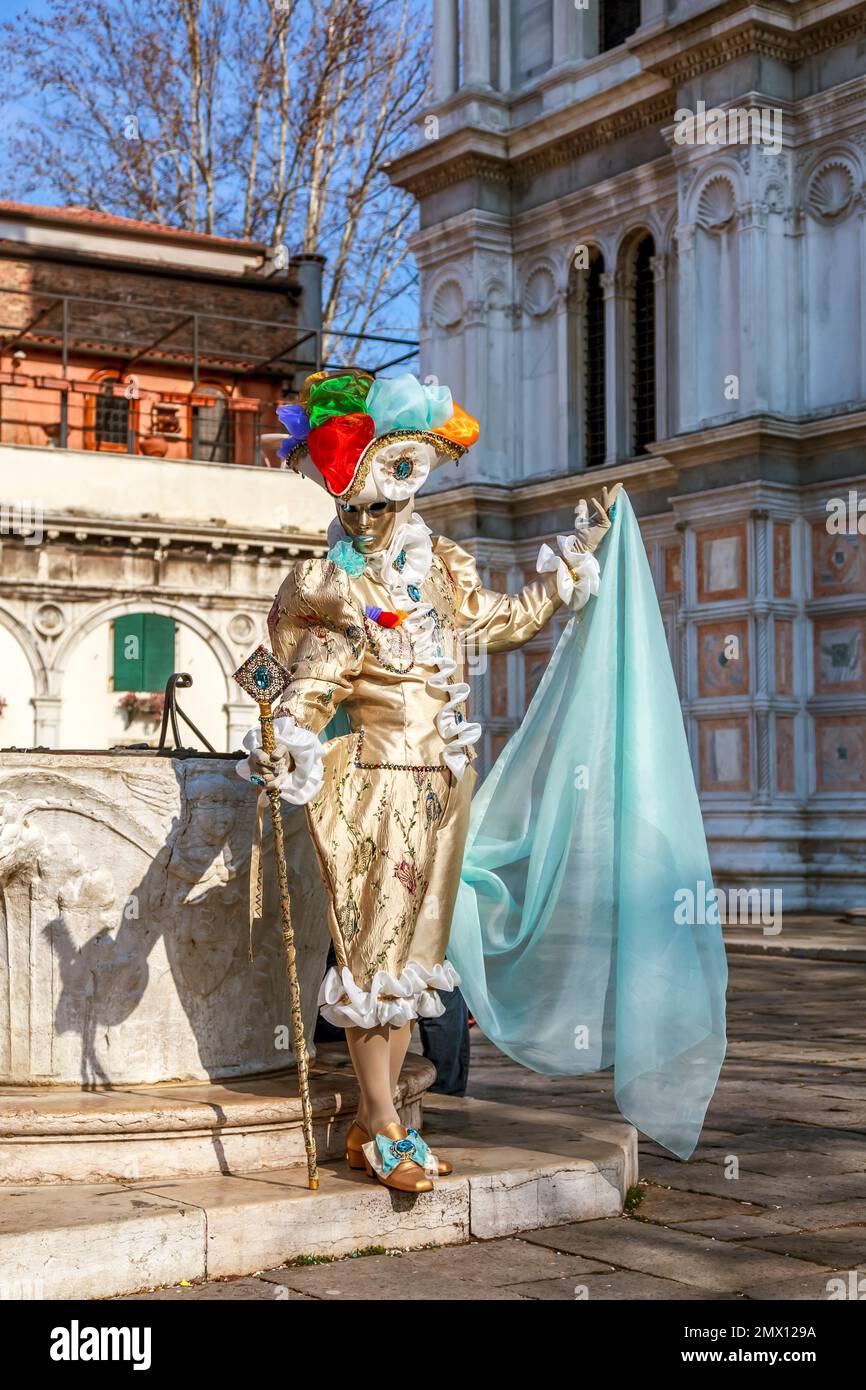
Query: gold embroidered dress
(390, 821)
(382, 629)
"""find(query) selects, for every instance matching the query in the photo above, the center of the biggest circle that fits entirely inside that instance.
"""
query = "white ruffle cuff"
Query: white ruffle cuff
(304, 782)
(577, 571)
(388, 1000)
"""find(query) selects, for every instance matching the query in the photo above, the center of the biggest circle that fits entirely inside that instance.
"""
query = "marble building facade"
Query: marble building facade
(618, 303)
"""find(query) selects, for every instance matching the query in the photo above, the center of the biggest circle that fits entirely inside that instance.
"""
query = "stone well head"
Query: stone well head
(124, 923)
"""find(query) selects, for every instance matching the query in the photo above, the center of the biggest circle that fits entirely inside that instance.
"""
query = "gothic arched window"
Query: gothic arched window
(595, 434)
(643, 363)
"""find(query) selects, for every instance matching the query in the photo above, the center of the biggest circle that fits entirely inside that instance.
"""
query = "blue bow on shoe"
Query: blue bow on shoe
(394, 1151)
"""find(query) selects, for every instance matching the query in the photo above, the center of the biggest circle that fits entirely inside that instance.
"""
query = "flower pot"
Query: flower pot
(154, 446)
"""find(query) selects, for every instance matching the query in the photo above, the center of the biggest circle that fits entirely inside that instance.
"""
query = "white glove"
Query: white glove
(271, 769)
(296, 769)
(591, 534)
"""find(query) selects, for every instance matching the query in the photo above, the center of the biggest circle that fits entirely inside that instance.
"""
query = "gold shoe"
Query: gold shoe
(406, 1176)
(358, 1137)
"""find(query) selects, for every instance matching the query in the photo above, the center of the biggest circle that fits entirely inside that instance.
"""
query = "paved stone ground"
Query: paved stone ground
(773, 1201)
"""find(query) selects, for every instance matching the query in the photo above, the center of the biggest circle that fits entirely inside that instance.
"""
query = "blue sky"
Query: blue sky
(11, 9)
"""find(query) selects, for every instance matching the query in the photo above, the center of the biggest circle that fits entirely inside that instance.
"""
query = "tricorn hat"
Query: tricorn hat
(363, 438)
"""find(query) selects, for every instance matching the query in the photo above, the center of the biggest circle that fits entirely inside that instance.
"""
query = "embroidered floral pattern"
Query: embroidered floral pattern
(406, 874)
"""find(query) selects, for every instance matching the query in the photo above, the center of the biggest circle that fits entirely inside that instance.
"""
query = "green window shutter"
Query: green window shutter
(129, 652)
(158, 651)
(143, 652)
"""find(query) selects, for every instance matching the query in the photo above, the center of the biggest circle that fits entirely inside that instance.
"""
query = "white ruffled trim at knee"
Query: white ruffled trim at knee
(388, 1000)
(304, 782)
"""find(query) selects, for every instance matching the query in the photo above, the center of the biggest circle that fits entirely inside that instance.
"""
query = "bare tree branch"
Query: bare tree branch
(252, 118)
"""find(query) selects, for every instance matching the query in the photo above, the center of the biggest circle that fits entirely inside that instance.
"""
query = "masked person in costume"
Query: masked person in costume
(380, 629)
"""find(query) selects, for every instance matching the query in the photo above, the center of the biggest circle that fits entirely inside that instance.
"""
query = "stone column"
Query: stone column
(562, 462)
(504, 68)
(761, 526)
(686, 415)
(445, 31)
(862, 220)
(587, 32)
(795, 242)
(568, 33)
(652, 12)
(240, 718)
(476, 43)
(575, 366)
(46, 720)
(752, 236)
(659, 270)
(617, 309)
(475, 363)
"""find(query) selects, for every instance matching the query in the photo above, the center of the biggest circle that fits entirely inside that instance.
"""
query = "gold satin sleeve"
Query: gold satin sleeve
(318, 634)
(503, 621)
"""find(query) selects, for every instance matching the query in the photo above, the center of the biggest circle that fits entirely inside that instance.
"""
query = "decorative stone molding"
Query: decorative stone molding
(717, 204)
(752, 215)
(683, 53)
(539, 291)
(475, 315)
(495, 295)
(775, 196)
(795, 222)
(466, 167)
(49, 620)
(522, 169)
(624, 121)
(448, 304)
(684, 236)
(242, 628)
(831, 190)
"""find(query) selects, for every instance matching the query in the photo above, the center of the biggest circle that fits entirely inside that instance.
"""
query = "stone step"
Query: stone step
(514, 1171)
(137, 1133)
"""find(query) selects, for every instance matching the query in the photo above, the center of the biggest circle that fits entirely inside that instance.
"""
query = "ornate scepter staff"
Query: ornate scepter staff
(262, 677)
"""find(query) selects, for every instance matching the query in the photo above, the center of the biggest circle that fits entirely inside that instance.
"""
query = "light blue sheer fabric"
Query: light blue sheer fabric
(564, 933)
(337, 726)
(405, 403)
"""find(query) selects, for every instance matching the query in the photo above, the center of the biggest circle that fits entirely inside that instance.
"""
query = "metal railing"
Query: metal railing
(85, 372)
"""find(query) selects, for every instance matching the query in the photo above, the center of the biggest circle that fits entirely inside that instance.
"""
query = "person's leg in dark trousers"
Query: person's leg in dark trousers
(445, 1041)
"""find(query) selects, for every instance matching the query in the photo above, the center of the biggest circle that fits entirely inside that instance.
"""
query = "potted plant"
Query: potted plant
(145, 709)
